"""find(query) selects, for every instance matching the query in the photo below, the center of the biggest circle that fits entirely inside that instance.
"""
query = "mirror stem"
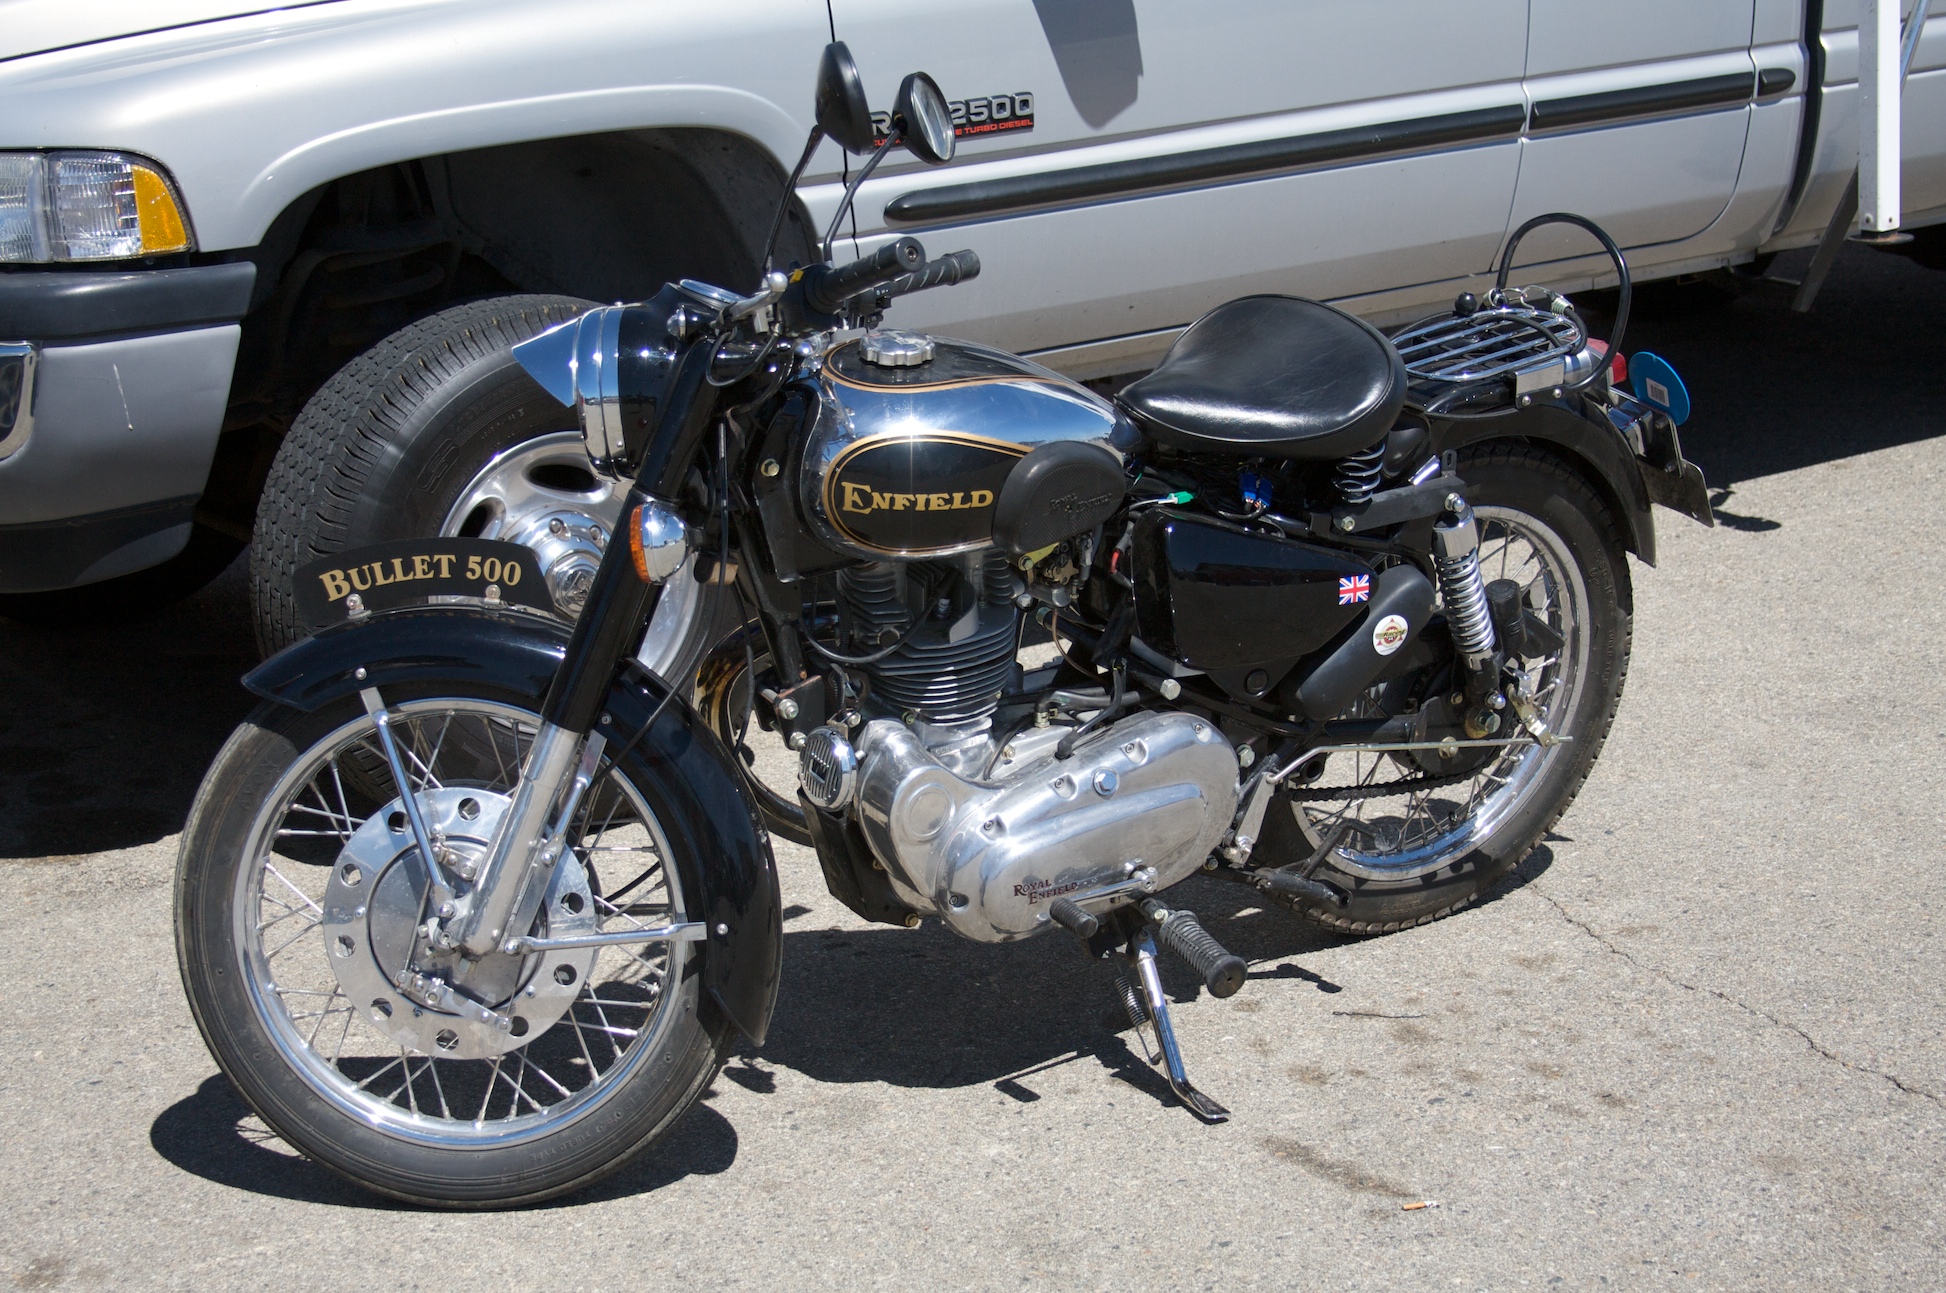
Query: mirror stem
(851, 190)
(790, 191)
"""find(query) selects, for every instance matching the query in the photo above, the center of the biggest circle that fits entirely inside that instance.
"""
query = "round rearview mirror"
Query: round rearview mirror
(843, 114)
(924, 121)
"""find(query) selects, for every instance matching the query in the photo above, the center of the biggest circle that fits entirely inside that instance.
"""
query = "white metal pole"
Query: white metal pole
(1879, 145)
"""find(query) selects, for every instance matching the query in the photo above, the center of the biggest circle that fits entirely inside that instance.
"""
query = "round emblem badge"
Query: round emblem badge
(1389, 634)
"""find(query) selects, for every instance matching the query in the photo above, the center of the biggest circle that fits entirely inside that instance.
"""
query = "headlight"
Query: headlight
(86, 206)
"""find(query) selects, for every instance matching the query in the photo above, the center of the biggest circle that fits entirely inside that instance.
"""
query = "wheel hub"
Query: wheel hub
(432, 1000)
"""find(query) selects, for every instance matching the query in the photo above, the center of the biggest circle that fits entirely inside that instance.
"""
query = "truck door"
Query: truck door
(1127, 164)
(1639, 115)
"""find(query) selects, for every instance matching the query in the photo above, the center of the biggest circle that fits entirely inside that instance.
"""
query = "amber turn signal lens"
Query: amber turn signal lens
(157, 215)
(635, 545)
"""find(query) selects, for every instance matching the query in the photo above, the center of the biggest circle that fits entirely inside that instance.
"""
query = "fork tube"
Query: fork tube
(608, 632)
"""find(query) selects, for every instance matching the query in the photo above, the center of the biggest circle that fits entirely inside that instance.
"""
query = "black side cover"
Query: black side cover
(1059, 490)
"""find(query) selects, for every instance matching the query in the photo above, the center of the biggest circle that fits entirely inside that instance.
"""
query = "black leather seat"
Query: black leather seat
(1276, 376)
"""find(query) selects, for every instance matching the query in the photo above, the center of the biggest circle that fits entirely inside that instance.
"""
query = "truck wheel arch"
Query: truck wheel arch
(607, 216)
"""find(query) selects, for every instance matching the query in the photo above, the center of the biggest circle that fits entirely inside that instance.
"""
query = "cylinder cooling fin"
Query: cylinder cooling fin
(959, 629)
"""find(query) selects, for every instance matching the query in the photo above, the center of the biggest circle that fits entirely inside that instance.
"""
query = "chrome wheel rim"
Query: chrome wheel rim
(560, 1073)
(1407, 834)
(544, 495)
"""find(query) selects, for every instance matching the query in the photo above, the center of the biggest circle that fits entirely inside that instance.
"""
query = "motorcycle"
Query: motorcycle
(473, 905)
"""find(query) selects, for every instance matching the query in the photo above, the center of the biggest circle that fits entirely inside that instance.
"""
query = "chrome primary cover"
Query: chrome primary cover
(1136, 808)
(908, 461)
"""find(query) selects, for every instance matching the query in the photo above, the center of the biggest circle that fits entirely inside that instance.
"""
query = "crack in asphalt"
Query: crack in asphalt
(1815, 1045)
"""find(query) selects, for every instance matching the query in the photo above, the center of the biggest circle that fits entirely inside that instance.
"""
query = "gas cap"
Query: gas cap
(896, 349)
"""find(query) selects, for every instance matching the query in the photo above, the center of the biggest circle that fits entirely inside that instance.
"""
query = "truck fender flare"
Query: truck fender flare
(722, 854)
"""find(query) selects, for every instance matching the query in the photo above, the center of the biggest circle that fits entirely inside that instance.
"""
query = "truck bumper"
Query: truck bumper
(107, 444)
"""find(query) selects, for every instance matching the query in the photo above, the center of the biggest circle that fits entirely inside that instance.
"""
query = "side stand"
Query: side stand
(1151, 1007)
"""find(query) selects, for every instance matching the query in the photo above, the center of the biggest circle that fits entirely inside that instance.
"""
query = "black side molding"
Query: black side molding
(57, 305)
(1774, 80)
(1645, 101)
(1231, 161)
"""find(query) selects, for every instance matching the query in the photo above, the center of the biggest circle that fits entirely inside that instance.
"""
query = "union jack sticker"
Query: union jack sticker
(1354, 588)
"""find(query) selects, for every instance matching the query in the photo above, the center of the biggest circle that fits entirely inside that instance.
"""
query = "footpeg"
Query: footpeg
(1223, 972)
(1141, 952)
(1288, 884)
(1073, 917)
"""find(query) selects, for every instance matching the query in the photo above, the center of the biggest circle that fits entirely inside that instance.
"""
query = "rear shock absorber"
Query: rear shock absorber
(1456, 556)
(1357, 475)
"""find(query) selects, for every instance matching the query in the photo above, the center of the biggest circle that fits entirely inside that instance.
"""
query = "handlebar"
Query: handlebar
(953, 267)
(826, 290)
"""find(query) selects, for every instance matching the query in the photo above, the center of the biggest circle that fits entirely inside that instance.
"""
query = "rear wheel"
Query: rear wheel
(300, 905)
(1409, 856)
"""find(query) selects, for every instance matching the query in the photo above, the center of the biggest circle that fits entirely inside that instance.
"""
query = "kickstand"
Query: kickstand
(1141, 953)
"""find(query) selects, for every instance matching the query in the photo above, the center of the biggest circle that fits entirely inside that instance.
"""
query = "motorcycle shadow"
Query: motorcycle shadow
(926, 1008)
(213, 1134)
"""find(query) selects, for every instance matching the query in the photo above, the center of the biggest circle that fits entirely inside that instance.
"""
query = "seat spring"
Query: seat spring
(1357, 474)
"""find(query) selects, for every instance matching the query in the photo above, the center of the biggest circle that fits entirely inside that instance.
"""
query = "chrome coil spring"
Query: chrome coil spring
(1465, 595)
(1357, 474)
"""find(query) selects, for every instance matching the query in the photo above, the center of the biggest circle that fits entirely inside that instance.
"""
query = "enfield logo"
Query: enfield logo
(1035, 890)
(862, 500)
(994, 115)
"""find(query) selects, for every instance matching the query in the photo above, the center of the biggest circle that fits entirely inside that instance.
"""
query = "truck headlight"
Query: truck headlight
(70, 206)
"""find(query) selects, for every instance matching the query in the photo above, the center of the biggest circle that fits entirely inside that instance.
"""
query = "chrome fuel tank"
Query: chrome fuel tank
(908, 461)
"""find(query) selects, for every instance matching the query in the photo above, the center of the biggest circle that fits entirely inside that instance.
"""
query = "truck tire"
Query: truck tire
(438, 431)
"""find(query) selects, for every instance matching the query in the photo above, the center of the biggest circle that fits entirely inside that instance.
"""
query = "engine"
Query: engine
(1131, 810)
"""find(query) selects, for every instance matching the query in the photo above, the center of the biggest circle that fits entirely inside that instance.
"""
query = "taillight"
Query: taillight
(1617, 369)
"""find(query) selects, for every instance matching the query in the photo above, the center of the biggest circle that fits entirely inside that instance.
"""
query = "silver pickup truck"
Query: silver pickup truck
(239, 243)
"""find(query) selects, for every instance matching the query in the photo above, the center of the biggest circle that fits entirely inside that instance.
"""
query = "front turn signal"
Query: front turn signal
(658, 540)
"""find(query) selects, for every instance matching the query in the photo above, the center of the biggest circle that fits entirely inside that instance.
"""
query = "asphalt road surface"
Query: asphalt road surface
(1696, 1042)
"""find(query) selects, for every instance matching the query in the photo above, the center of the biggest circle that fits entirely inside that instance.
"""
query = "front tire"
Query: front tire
(1409, 859)
(608, 1049)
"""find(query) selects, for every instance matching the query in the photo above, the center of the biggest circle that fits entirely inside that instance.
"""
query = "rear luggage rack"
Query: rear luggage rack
(1491, 342)
(1489, 357)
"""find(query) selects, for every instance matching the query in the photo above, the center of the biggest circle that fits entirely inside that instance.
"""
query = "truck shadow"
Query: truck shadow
(106, 729)
(1776, 391)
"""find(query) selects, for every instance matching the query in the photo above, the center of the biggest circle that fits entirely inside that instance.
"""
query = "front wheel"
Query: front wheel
(1408, 856)
(300, 911)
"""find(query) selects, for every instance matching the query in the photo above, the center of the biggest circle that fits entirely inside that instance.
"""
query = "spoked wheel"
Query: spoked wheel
(1411, 855)
(301, 911)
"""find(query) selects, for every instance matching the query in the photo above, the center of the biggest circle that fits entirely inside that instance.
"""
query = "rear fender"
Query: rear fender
(1595, 447)
(722, 854)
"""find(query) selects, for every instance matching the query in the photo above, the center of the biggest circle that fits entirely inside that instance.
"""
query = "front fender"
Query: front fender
(722, 855)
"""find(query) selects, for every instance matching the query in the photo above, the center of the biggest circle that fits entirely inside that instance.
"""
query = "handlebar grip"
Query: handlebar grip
(953, 267)
(1223, 971)
(827, 290)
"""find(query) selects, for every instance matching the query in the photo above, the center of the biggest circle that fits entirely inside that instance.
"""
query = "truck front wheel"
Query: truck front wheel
(437, 431)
